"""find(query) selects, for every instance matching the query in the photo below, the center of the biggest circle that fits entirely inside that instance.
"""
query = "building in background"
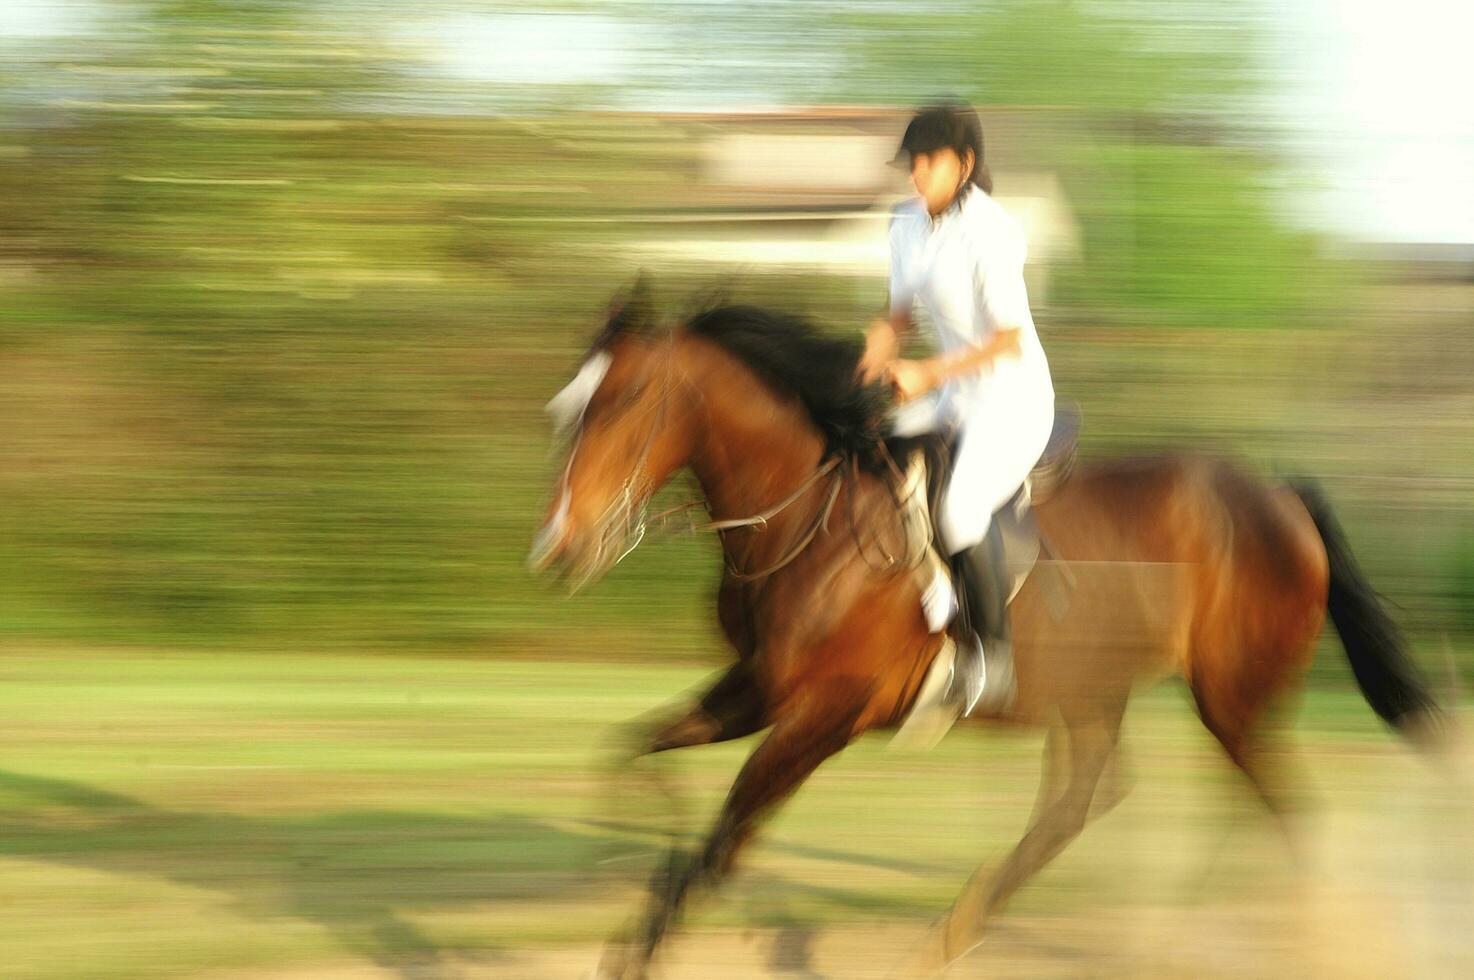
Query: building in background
(797, 189)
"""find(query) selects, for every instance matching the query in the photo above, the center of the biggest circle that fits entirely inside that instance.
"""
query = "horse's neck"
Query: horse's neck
(755, 448)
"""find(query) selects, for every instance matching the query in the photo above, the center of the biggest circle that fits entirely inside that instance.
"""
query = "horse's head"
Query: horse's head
(629, 416)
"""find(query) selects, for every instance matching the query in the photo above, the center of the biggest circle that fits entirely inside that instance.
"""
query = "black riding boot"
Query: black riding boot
(984, 682)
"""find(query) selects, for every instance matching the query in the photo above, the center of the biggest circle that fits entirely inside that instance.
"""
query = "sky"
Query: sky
(1374, 109)
(29, 19)
(532, 48)
(1380, 113)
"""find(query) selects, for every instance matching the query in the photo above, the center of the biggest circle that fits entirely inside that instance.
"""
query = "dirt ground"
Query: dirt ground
(1324, 930)
(1393, 899)
(1319, 931)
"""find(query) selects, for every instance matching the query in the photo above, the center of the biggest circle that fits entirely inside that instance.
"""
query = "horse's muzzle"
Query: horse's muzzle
(549, 545)
(578, 557)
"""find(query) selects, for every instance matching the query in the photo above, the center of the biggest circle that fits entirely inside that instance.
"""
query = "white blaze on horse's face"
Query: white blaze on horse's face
(552, 535)
(567, 406)
(566, 409)
(586, 534)
(627, 440)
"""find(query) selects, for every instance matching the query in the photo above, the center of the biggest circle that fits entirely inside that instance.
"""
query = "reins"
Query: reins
(821, 519)
(819, 522)
(760, 521)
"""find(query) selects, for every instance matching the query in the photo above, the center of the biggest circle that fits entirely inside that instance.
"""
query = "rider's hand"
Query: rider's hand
(1009, 343)
(880, 348)
(872, 366)
(912, 379)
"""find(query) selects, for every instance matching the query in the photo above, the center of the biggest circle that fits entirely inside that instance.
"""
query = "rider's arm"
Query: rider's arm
(883, 342)
(885, 334)
(973, 359)
(915, 378)
(1003, 302)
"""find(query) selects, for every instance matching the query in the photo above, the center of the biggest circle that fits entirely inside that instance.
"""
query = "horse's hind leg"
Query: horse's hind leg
(1238, 719)
(1254, 638)
(1247, 739)
(795, 747)
(1083, 747)
(1114, 785)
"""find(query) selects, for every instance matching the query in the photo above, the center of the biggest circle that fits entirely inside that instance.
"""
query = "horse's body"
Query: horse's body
(1181, 565)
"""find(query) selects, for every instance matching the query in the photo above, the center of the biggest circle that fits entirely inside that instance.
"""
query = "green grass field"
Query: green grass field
(190, 814)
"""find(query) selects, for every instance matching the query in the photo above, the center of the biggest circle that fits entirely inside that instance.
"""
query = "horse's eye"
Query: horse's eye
(631, 396)
(618, 405)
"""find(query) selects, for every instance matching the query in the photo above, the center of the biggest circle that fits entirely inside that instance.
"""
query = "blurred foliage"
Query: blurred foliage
(279, 307)
(1188, 232)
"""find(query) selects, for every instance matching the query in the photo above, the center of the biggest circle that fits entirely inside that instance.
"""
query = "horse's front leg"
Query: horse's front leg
(820, 724)
(734, 707)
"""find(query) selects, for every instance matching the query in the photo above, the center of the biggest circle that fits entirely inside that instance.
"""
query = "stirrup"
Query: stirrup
(934, 712)
(975, 680)
(988, 693)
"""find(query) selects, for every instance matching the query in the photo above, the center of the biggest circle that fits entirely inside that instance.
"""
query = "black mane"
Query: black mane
(795, 358)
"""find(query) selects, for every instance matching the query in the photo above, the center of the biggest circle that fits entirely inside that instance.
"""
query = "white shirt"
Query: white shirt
(966, 270)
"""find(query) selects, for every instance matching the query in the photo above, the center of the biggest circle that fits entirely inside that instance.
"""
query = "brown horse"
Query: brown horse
(1180, 565)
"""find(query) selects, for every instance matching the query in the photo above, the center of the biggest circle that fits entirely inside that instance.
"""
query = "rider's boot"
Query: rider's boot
(984, 682)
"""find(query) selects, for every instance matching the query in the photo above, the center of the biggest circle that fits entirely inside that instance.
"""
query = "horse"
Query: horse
(1184, 564)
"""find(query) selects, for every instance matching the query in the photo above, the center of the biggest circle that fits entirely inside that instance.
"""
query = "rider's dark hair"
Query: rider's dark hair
(950, 124)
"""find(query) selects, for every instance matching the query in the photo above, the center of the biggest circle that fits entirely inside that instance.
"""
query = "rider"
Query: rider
(957, 253)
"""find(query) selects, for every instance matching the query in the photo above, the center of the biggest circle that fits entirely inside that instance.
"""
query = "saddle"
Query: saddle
(928, 460)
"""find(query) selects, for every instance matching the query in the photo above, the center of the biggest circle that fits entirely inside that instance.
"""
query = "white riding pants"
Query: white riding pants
(1005, 422)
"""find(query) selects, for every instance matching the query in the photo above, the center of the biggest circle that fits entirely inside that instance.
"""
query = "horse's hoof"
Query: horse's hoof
(929, 959)
(617, 963)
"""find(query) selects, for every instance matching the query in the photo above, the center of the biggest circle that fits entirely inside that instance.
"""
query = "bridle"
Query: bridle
(624, 523)
(622, 526)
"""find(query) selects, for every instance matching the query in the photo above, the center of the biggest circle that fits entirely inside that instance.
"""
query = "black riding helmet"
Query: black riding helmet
(951, 124)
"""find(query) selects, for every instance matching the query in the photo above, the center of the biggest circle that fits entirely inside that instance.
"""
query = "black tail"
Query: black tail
(1374, 645)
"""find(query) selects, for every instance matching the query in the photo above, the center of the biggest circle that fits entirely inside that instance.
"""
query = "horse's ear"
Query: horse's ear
(637, 313)
(632, 311)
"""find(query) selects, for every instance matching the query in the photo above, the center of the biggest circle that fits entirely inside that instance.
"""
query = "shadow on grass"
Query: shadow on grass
(360, 874)
(363, 875)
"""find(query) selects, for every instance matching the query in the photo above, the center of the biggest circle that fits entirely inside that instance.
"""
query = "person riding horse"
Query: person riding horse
(960, 256)
(1186, 565)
